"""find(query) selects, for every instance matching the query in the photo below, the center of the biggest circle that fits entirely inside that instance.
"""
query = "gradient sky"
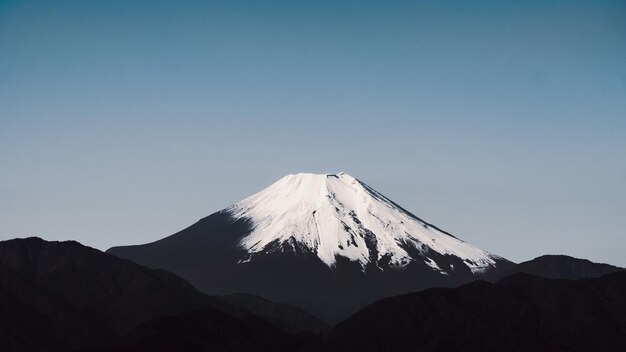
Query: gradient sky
(504, 123)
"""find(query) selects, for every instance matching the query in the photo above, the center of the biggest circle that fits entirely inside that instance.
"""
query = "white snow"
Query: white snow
(333, 215)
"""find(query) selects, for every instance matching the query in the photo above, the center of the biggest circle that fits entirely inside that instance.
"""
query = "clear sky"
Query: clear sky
(504, 123)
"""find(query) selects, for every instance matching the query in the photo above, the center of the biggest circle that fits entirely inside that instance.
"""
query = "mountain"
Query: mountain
(81, 295)
(316, 240)
(33, 320)
(562, 267)
(521, 312)
(59, 296)
(287, 317)
(338, 216)
(207, 330)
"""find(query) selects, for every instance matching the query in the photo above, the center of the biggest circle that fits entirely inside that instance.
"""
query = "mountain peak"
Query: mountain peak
(337, 215)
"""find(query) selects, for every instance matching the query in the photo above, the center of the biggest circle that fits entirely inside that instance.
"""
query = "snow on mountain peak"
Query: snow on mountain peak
(338, 215)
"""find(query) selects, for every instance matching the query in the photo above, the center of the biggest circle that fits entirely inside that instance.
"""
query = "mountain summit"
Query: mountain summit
(318, 238)
(336, 215)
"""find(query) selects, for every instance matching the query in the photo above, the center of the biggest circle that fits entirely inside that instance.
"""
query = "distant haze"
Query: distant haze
(503, 123)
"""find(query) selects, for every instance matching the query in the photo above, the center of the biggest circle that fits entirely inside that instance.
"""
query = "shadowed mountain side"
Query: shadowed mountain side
(57, 296)
(101, 284)
(288, 317)
(519, 313)
(60, 295)
(562, 267)
(210, 331)
(34, 320)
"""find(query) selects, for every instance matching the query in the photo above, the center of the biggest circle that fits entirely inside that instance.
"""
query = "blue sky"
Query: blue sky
(502, 122)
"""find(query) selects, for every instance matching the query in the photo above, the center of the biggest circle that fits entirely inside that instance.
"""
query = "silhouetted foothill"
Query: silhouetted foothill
(59, 296)
(518, 313)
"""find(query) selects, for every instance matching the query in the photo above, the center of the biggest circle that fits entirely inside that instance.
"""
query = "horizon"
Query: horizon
(502, 123)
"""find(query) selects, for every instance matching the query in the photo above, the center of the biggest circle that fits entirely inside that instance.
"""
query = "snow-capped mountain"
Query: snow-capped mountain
(337, 215)
(316, 238)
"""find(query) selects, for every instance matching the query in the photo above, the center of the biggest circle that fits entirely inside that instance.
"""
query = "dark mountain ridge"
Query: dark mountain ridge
(521, 312)
(208, 330)
(57, 296)
(62, 296)
(562, 267)
(288, 317)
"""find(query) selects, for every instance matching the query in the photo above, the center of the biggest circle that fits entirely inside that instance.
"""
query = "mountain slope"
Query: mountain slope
(81, 295)
(207, 330)
(34, 320)
(288, 317)
(58, 296)
(562, 267)
(338, 215)
(317, 240)
(519, 313)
